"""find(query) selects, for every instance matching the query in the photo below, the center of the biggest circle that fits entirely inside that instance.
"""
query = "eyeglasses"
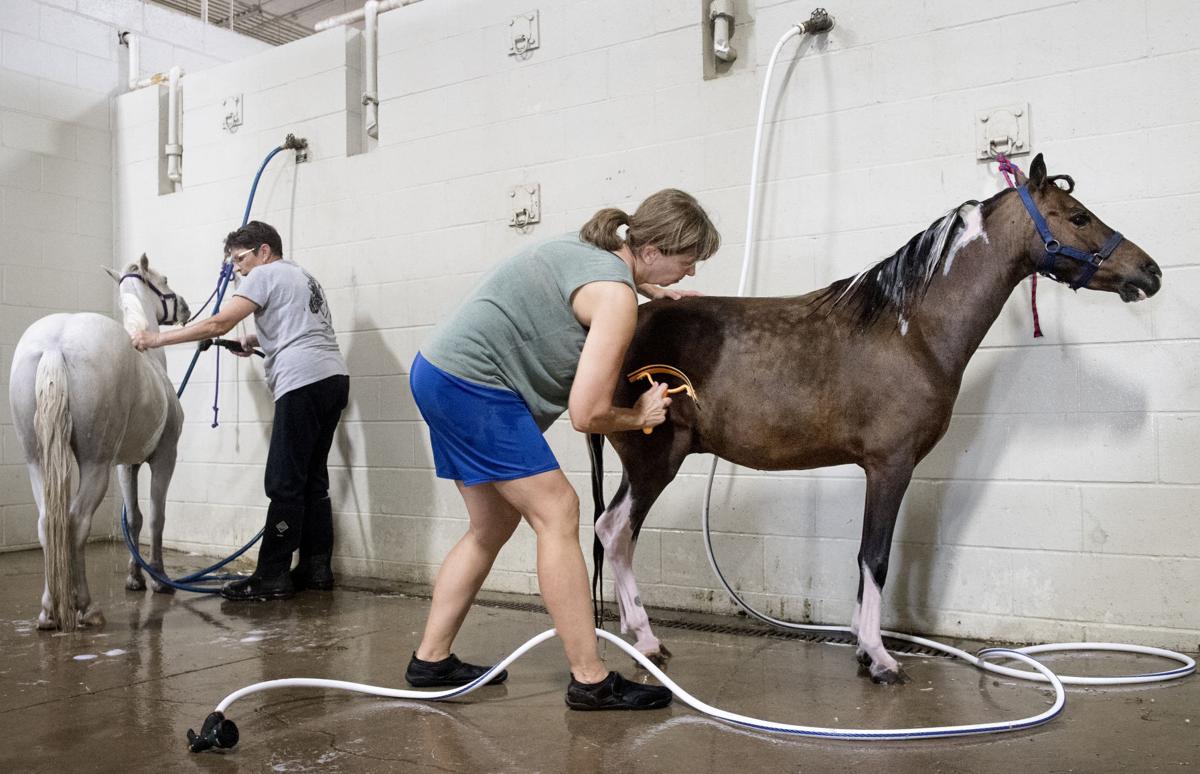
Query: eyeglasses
(237, 258)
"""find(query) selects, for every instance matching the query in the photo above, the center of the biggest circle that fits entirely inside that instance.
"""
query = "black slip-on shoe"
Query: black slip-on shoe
(450, 672)
(616, 693)
(259, 589)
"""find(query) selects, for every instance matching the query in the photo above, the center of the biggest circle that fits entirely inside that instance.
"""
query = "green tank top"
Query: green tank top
(517, 331)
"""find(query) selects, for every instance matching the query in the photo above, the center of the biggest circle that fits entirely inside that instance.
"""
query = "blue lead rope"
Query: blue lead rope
(206, 575)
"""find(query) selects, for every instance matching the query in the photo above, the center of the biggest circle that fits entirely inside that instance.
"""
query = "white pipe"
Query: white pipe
(370, 98)
(721, 13)
(173, 149)
(135, 58)
(351, 17)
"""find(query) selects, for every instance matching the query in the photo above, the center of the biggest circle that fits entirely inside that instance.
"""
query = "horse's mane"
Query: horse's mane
(898, 282)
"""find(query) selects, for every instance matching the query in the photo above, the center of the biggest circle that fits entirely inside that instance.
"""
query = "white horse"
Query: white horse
(78, 389)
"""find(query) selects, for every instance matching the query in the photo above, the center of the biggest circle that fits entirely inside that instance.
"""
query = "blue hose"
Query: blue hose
(205, 575)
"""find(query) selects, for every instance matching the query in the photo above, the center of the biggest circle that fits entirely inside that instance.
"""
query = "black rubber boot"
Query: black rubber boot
(281, 538)
(316, 548)
(259, 589)
(616, 693)
(447, 673)
(271, 579)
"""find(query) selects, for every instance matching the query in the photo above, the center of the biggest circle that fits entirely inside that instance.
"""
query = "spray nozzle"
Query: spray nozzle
(216, 733)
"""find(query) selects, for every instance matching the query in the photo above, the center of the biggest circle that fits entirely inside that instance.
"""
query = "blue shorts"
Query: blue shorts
(479, 434)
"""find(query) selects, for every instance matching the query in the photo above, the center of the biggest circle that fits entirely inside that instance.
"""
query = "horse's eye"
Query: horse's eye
(1080, 219)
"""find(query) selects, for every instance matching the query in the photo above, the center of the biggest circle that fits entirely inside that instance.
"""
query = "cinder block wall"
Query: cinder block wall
(60, 68)
(1059, 505)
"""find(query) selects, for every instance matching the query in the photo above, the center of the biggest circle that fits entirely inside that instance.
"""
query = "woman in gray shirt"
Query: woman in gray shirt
(310, 383)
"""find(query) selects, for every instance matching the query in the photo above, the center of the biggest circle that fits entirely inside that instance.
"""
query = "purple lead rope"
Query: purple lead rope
(1009, 170)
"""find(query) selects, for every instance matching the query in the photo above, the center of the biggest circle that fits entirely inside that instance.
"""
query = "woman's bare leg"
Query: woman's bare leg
(550, 505)
(492, 521)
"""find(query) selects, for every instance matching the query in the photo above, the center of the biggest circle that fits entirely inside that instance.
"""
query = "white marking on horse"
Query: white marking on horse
(973, 230)
(616, 535)
(866, 624)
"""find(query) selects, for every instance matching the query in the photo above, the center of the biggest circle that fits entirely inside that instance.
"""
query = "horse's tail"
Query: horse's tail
(596, 452)
(52, 426)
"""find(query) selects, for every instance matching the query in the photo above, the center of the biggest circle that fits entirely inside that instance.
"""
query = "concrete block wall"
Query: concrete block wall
(1058, 504)
(60, 68)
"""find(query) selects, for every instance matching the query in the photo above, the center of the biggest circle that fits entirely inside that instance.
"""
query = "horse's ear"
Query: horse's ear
(145, 262)
(1037, 173)
(116, 277)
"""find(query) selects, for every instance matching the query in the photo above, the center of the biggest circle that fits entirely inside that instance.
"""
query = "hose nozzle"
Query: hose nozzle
(820, 21)
(216, 733)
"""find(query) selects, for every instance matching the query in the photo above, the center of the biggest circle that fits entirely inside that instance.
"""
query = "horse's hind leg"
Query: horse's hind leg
(127, 477)
(649, 467)
(886, 485)
(46, 616)
(93, 483)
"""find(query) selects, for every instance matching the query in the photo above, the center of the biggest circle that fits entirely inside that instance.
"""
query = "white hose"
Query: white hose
(1060, 698)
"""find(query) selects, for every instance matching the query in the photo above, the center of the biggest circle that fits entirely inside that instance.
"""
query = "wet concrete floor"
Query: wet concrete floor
(121, 698)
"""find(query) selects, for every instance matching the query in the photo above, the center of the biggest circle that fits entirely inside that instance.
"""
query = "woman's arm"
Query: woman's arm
(236, 309)
(655, 291)
(609, 311)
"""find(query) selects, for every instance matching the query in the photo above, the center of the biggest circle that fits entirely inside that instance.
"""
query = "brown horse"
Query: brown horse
(810, 381)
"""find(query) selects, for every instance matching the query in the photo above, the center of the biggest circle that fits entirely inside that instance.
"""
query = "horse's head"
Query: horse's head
(156, 294)
(1073, 246)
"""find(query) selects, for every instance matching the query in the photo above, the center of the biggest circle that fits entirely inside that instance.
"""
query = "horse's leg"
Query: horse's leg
(646, 475)
(46, 616)
(127, 478)
(93, 484)
(162, 467)
(886, 485)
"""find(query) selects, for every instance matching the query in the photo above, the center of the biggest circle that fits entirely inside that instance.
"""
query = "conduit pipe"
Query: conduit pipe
(370, 97)
(351, 17)
(721, 13)
(133, 41)
(369, 15)
(173, 149)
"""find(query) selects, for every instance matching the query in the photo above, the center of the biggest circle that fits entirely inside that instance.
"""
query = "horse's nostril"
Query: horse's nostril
(1152, 269)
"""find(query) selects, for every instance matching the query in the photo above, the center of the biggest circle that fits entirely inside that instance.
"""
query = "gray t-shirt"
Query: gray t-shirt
(517, 330)
(294, 326)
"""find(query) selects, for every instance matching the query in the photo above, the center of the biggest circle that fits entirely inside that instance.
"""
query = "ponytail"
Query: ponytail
(601, 230)
(671, 220)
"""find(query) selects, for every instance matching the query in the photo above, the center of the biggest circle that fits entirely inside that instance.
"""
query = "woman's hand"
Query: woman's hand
(652, 405)
(143, 340)
(654, 291)
(247, 343)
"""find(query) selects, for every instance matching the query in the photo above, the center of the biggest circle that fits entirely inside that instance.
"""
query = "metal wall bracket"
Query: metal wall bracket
(1002, 130)
(523, 29)
(232, 107)
(526, 204)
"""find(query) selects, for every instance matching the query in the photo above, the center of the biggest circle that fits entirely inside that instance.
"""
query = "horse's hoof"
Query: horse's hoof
(659, 658)
(45, 622)
(889, 676)
(161, 588)
(92, 617)
(135, 583)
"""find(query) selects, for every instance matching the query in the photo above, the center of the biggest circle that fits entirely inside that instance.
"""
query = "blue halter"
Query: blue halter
(171, 316)
(1054, 248)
